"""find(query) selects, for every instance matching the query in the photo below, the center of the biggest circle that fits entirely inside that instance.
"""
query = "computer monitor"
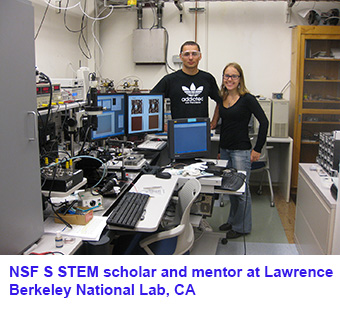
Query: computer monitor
(145, 113)
(111, 122)
(189, 138)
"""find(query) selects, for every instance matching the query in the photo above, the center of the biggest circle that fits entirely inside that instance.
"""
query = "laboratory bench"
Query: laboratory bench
(280, 151)
(111, 237)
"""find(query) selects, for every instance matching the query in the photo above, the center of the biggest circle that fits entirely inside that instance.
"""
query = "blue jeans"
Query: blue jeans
(240, 206)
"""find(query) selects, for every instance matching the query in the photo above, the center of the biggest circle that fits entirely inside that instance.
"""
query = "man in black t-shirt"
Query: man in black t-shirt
(189, 88)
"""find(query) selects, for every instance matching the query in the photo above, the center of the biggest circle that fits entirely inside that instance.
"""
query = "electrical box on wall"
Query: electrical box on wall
(149, 46)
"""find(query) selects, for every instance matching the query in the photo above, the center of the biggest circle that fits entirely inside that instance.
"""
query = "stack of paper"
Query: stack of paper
(90, 231)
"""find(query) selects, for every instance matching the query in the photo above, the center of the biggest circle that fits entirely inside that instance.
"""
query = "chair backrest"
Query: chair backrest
(186, 197)
(180, 238)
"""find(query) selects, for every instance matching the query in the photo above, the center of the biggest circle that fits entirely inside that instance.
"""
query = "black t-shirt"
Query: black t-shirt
(188, 94)
(235, 120)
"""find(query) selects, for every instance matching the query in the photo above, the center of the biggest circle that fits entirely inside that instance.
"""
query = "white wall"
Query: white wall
(56, 49)
(252, 33)
(245, 32)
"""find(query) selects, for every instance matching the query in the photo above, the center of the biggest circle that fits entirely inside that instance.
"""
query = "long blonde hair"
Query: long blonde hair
(242, 90)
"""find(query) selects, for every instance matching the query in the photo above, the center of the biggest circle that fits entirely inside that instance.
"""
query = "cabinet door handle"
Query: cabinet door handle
(34, 126)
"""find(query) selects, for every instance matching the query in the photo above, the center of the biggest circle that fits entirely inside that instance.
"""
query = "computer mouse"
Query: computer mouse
(163, 175)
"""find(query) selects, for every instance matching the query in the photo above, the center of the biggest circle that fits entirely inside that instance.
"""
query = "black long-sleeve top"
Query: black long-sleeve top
(235, 120)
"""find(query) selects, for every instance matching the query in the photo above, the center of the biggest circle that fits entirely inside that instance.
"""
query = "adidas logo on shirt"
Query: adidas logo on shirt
(193, 94)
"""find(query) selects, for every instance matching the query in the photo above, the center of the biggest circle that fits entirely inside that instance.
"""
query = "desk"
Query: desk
(210, 184)
(280, 158)
(161, 191)
(47, 244)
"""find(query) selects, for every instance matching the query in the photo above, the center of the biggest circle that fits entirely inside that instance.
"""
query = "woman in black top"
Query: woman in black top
(236, 110)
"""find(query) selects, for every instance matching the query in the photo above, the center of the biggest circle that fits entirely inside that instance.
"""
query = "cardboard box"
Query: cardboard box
(80, 219)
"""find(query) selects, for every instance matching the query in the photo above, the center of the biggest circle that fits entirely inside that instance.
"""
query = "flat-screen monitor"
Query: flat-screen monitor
(145, 113)
(189, 138)
(111, 122)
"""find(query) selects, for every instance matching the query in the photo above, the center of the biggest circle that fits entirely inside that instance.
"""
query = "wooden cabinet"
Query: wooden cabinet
(315, 90)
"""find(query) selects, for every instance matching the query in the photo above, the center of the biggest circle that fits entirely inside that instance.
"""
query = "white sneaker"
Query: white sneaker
(205, 226)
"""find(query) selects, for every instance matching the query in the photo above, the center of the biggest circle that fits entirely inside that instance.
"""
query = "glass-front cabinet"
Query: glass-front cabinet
(315, 90)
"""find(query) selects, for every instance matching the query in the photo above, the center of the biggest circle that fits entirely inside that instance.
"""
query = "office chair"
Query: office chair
(179, 239)
(263, 165)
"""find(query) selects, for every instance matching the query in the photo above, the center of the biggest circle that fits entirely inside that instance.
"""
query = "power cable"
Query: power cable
(42, 21)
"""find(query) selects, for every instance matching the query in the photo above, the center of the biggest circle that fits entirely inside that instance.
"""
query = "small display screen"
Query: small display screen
(145, 113)
(189, 138)
(111, 122)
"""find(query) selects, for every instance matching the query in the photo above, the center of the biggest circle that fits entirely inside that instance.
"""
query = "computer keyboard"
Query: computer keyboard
(152, 145)
(129, 210)
(232, 181)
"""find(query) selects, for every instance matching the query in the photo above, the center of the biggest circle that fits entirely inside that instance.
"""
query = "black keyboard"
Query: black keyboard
(129, 210)
(232, 181)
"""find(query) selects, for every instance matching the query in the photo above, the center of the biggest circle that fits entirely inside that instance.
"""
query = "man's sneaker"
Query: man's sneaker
(225, 227)
(205, 226)
(233, 234)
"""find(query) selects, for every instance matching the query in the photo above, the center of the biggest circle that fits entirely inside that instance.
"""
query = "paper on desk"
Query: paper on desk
(90, 231)
(187, 172)
(69, 198)
(153, 190)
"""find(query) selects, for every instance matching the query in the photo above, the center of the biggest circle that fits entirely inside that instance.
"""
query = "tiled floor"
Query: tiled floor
(268, 227)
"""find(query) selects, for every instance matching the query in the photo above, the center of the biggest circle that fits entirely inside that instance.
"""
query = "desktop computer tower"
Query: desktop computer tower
(280, 117)
(266, 105)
